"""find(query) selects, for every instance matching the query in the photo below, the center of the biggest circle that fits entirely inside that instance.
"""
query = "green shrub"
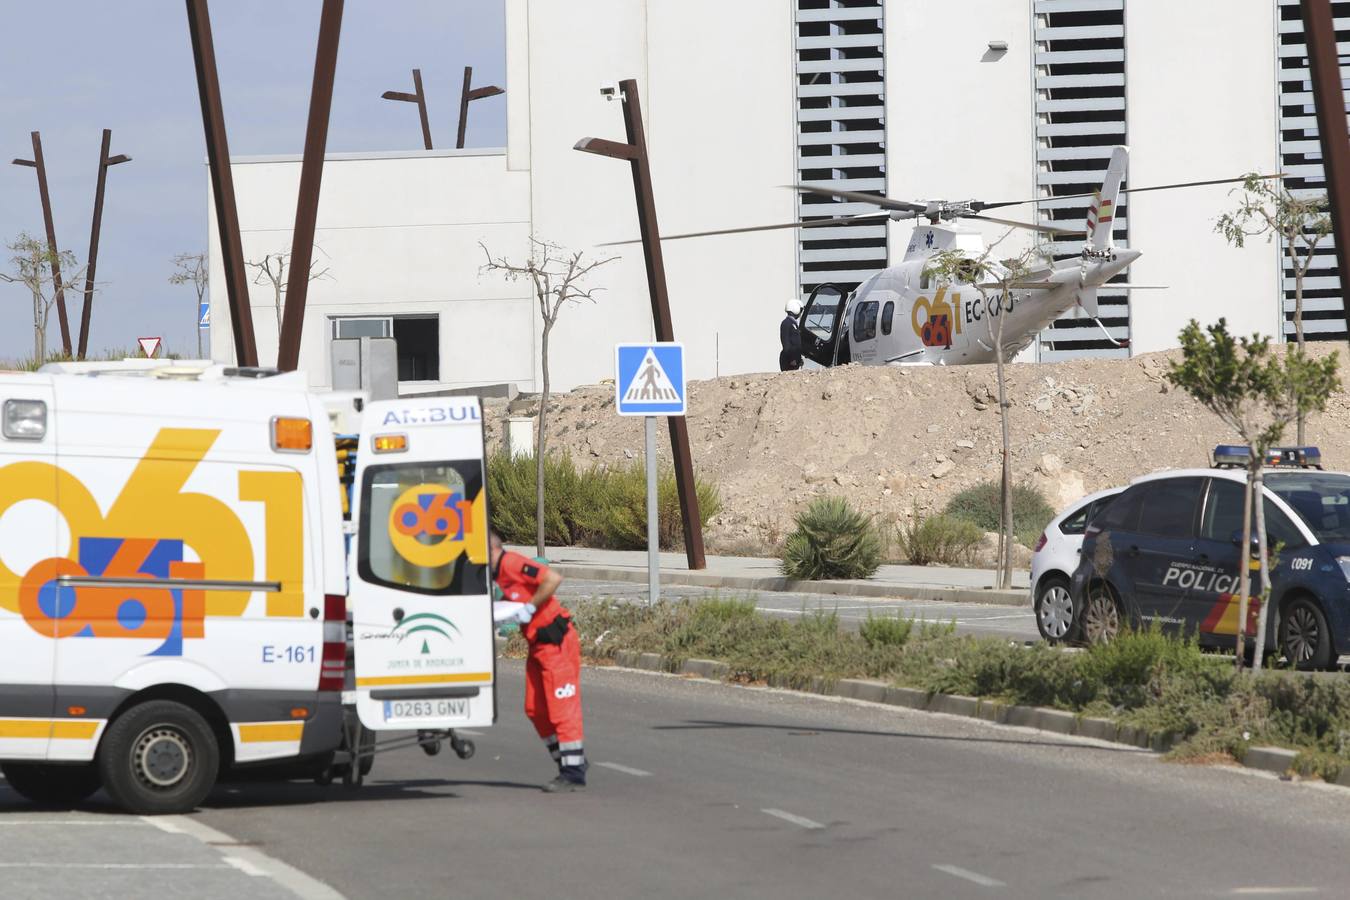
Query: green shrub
(885, 631)
(980, 506)
(939, 539)
(604, 508)
(832, 540)
(511, 498)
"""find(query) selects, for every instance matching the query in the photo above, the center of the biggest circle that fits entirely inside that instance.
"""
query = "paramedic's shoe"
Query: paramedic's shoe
(561, 785)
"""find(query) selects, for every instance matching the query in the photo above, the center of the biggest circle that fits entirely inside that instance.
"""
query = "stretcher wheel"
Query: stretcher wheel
(429, 747)
(464, 749)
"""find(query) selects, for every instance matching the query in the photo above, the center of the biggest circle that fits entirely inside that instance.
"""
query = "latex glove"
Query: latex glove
(505, 611)
(525, 613)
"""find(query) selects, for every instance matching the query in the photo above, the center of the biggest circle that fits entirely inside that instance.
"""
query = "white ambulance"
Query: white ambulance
(174, 578)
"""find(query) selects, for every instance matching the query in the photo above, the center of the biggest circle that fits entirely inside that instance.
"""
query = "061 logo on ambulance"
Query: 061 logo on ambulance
(144, 536)
(430, 526)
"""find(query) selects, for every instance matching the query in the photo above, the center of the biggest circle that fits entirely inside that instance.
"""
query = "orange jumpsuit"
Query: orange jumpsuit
(552, 668)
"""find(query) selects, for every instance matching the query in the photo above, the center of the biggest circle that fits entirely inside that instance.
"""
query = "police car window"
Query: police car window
(1123, 512)
(1076, 523)
(1321, 499)
(420, 525)
(1222, 518)
(1169, 507)
(865, 321)
(887, 316)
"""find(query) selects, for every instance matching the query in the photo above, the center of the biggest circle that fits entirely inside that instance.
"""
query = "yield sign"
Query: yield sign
(149, 346)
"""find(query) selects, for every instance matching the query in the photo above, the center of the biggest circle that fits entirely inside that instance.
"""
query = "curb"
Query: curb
(779, 584)
(1277, 760)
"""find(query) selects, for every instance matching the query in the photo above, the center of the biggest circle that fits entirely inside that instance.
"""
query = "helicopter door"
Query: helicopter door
(821, 323)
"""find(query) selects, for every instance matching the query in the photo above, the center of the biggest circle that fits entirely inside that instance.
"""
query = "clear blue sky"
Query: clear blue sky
(71, 68)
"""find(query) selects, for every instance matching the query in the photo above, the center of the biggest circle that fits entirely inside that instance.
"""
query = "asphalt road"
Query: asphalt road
(1012, 622)
(707, 790)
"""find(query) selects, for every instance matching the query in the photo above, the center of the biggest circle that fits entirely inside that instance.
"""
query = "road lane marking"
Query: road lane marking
(287, 876)
(800, 821)
(1273, 891)
(468, 732)
(973, 877)
(245, 866)
(109, 823)
(54, 865)
(627, 770)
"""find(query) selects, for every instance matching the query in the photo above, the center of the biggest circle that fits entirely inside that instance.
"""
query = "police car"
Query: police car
(1168, 550)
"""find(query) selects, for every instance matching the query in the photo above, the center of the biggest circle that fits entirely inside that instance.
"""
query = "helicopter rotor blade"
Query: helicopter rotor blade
(813, 223)
(1048, 229)
(979, 206)
(858, 197)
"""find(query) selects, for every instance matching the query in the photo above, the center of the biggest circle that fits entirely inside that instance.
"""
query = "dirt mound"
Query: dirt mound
(894, 440)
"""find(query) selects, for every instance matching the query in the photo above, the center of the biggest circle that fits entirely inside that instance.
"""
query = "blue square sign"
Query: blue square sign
(649, 379)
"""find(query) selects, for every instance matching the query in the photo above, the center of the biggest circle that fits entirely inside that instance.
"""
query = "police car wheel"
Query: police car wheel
(1305, 639)
(159, 757)
(1099, 619)
(1054, 609)
(46, 785)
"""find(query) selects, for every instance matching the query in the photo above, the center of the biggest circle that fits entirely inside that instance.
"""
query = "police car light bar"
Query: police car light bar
(1235, 456)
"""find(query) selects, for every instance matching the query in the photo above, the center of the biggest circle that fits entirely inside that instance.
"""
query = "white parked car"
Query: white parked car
(1054, 560)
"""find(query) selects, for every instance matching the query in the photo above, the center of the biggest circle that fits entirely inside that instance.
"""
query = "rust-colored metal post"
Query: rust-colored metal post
(222, 182)
(104, 161)
(1324, 69)
(467, 94)
(311, 174)
(60, 289)
(419, 97)
(635, 151)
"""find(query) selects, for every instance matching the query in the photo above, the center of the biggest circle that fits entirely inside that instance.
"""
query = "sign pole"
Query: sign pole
(653, 514)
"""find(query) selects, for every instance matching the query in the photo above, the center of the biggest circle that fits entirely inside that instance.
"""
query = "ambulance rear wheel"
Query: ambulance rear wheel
(159, 757)
(45, 785)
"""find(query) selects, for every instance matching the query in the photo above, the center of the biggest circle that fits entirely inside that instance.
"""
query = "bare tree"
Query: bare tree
(994, 283)
(191, 269)
(1269, 208)
(555, 274)
(272, 270)
(32, 267)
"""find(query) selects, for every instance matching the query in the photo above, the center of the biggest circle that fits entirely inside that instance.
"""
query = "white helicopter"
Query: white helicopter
(903, 316)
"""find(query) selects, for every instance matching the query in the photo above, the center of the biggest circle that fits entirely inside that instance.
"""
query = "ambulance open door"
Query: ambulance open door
(422, 629)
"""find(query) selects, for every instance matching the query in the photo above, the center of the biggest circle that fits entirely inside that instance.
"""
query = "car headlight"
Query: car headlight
(1345, 566)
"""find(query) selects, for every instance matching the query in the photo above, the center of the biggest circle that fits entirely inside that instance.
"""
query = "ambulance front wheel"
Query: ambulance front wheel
(47, 785)
(159, 757)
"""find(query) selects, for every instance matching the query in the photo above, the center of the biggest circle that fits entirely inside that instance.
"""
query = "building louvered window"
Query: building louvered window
(1080, 118)
(840, 136)
(1301, 161)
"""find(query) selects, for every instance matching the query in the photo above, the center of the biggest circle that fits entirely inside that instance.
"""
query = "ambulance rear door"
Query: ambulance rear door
(425, 656)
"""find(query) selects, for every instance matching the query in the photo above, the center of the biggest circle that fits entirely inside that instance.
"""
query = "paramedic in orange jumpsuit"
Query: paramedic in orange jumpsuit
(553, 666)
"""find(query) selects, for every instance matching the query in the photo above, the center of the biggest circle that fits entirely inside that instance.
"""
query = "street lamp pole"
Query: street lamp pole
(104, 161)
(469, 93)
(419, 97)
(37, 163)
(635, 151)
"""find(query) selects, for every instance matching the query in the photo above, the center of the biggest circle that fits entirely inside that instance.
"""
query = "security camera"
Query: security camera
(609, 90)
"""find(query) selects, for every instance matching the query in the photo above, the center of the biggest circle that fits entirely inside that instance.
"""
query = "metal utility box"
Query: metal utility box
(366, 364)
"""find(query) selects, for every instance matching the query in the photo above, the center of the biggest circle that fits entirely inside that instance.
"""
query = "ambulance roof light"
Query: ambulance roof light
(292, 434)
(25, 420)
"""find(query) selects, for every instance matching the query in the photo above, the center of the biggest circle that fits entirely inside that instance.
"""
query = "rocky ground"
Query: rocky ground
(899, 440)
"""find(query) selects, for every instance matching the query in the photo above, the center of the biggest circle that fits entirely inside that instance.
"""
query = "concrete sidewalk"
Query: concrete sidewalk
(748, 573)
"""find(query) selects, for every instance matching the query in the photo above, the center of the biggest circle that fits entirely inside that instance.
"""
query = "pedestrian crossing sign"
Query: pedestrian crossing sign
(649, 379)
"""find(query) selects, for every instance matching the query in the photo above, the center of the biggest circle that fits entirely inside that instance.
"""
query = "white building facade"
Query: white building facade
(965, 99)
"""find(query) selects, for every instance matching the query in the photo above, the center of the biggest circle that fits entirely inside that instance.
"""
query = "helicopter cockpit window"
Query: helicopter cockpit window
(865, 321)
(887, 316)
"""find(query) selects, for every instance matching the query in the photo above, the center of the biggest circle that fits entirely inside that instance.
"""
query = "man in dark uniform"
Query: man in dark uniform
(553, 666)
(790, 357)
